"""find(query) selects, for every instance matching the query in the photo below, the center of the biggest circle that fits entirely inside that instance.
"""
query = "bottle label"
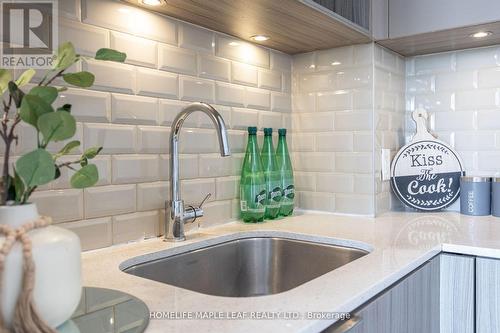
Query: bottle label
(252, 198)
(289, 192)
(274, 195)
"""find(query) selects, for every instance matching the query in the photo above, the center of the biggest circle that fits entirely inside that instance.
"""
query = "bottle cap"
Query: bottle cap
(268, 131)
(252, 130)
(282, 131)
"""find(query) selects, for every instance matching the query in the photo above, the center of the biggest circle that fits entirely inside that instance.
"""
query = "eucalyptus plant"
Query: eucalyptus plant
(52, 124)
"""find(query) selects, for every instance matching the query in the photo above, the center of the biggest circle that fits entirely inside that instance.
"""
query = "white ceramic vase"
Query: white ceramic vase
(57, 256)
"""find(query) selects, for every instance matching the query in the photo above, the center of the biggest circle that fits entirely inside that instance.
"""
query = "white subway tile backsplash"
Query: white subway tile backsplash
(478, 58)
(443, 62)
(337, 100)
(229, 94)
(281, 102)
(244, 74)
(109, 200)
(235, 49)
(135, 226)
(70, 9)
(453, 120)
(317, 201)
(195, 190)
(227, 188)
(313, 122)
(318, 162)
(243, 118)
(354, 203)
(174, 59)
(111, 76)
(328, 142)
(281, 61)
(69, 204)
(157, 84)
(257, 98)
(197, 141)
(128, 109)
(140, 51)
(196, 90)
(353, 162)
(334, 59)
(115, 139)
(215, 68)
(305, 181)
(93, 233)
(121, 17)
(152, 196)
(353, 121)
(87, 105)
(86, 38)
(195, 38)
(269, 79)
(477, 99)
(488, 119)
(334, 182)
(128, 169)
(270, 119)
(456, 81)
(153, 140)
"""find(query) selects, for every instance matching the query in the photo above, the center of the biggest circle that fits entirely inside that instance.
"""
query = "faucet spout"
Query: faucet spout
(174, 228)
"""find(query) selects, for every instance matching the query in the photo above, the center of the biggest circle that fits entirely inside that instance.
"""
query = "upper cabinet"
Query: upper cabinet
(294, 26)
(428, 26)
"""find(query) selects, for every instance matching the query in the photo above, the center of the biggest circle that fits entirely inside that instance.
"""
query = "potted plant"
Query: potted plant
(55, 251)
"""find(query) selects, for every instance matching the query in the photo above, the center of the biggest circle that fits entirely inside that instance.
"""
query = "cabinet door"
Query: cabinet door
(456, 293)
(487, 295)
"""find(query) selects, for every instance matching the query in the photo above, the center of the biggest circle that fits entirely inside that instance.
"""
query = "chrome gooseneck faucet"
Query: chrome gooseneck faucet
(174, 224)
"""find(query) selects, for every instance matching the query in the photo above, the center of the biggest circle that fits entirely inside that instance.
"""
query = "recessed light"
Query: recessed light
(481, 34)
(260, 38)
(152, 2)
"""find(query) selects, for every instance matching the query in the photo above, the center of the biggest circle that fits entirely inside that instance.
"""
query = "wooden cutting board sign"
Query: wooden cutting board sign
(425, 174)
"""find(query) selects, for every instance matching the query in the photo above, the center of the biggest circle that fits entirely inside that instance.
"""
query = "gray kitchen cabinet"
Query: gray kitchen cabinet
(456, 293)
(487, 295)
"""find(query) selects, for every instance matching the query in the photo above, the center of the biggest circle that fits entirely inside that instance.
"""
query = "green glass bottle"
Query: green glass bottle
(253, 195)
(272, 175)
(286, 175)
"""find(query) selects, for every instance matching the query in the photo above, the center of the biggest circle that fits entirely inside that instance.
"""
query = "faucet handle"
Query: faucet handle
(205, 199)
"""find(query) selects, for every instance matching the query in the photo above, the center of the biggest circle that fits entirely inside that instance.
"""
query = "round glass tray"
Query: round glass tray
(106, 311)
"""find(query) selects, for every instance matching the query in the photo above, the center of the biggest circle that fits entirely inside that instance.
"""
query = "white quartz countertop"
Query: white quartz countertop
(398, 243)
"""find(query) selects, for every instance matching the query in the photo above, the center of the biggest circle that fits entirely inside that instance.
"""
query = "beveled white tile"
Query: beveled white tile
(227, 188)
(363, 142)
(109, 200)
(358, 77)
(337, 100)
(155, 83)
(243, 74)
(195, 190)
(281, 102)
(128, 169)
(457, 81)
(353, 162)
(237, 141)
(235, 49)
(153, 139)
(286, 85)
(270, 119)
(140, 51)
(304, 102)
(70, 9)
(229, 94)
(93, 233)
(152, 196)
(334, 142)
(317, 201)
(489, 161)
(304, 62)
(213, 67)
(87, 39)
(478, 58)
(441, 62)
(335, 182)
(122, 17)
(197, 141)
(257, 98)
(243, 118)
(111, 76)
(305, 181)
(354, 204)
(69, 204)
(213, 165)
(436, 102)
(128, 109)
(115, 139)
(205, 122)
(87, 105)
(313, 122)
(301, 142)
(136, 226)
(488, 120)
(477, 99)
(196, 90)
(335, 58)
(318, 162)
(325, 81)
(169, 109)
(363, 53)
(281, 61)
(216, 213)
(196, 38)
(189, 169)
(353, 121)
(269, 79)
(475, 141)
(174, 59)
(462, 120)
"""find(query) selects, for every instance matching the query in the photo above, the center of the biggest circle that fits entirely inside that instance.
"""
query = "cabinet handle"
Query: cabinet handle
(346, 326)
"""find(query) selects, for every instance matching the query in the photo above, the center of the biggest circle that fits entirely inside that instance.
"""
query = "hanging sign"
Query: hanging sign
(425, 174)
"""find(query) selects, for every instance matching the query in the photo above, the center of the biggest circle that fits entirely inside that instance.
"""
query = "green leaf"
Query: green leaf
(91, 152)
(110, 55)
(26, 77)
(19, 186)
(68, 148)
(5, 77)
(57, 126)
(65, 57)
(36, 168)
(80, 79)
(16, 93)
(32, 107)
(65, 108)
(85, 177)
(48, 94)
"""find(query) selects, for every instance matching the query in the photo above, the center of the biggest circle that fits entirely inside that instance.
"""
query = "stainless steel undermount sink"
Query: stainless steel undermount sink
(244, 267)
